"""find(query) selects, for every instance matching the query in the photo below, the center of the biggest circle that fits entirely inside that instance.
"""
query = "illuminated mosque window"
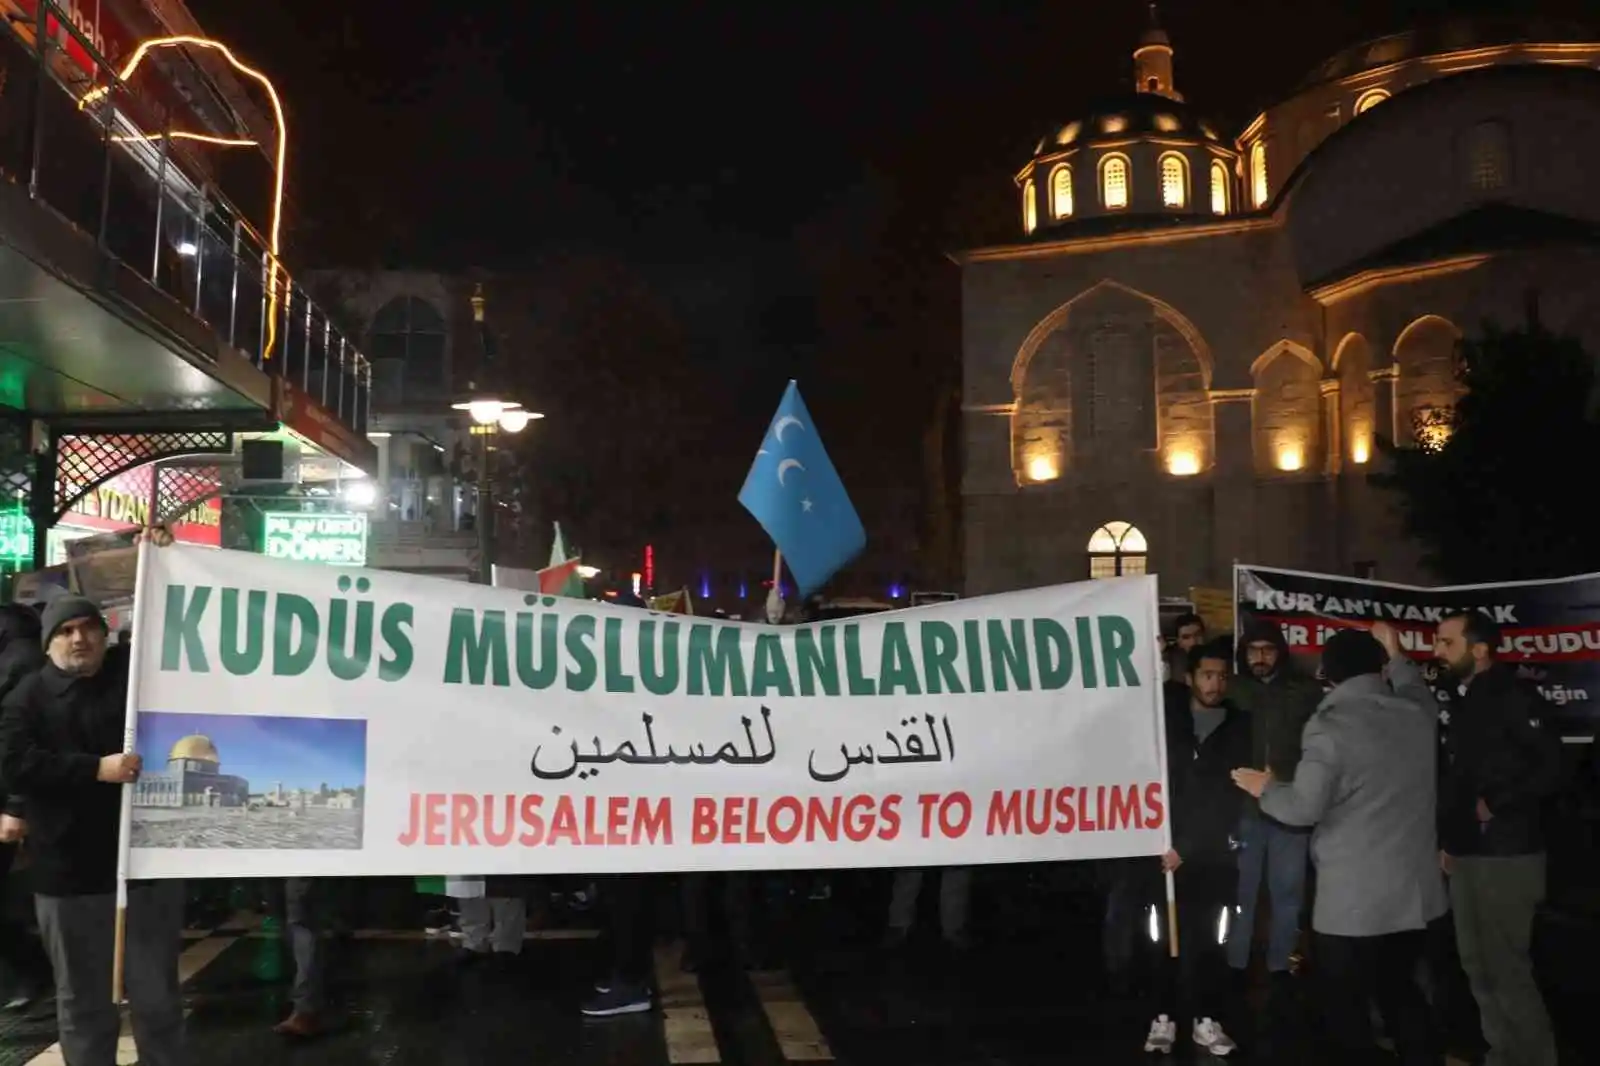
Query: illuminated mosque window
(1258, 174)
(1117, 549)
(1113, 124)
(1030, 210)
(1489, 156)
(1219, 187)
(1069, 133)
(1174, 181)
(1061, 192)
(1167, 123)
(1114, 182)
(1369, 100)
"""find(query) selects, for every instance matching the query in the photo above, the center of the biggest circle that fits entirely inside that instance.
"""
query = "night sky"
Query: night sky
(782, 180)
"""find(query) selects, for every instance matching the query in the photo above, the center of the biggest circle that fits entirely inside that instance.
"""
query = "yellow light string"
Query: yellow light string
(283, 152)
(180, 135)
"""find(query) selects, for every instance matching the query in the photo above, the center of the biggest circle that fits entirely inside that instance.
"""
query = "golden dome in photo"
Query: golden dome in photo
(196, 747)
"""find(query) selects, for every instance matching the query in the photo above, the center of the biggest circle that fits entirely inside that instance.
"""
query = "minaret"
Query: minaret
(1152, 61)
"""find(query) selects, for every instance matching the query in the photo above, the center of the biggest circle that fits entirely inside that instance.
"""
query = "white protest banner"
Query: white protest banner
(305, 720)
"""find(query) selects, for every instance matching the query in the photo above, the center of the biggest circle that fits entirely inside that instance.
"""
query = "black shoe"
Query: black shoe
(611, 1000)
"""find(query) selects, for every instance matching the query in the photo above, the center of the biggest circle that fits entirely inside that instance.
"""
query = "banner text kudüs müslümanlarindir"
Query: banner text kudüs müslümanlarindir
(300, 720)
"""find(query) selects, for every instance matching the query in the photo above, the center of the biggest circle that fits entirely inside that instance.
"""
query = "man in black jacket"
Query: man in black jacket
(61, 740)
(1501, 766)
(1280, 700)
(1206, 738)
(24, 971)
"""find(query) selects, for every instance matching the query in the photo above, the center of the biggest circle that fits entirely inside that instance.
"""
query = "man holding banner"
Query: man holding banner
(61, 744)
(1206, 738)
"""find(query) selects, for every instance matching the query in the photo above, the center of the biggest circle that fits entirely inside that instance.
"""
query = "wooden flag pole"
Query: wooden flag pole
(130, 731)
(775, 595)
(1172, 916)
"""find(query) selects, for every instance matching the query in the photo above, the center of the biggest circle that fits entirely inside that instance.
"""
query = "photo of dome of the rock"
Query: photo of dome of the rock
(248, 781)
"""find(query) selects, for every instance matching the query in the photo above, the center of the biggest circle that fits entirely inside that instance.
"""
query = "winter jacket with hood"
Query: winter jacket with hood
(1279, 707)
(20, 655)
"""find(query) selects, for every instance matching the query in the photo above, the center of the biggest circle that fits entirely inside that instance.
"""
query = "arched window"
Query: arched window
(1174, 181)
(1219, 187)
(1369, 100)
(1114, 182)
(407, 347)
(1488, 157)
(1117, 549)
(1258, 174)
(1061, 191)
(1030, 210)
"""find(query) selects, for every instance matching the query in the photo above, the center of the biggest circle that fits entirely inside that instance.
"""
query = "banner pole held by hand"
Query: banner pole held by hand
(1172, 916)
(775, 597)
(130, 731)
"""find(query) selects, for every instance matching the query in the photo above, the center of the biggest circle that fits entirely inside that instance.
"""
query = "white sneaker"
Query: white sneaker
(1163, 1034)
(1208, 1036)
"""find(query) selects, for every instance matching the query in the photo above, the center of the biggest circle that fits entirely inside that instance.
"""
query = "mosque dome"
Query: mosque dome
(1136, 155)
(1118, 118)
(1444, 36)
(195, 747)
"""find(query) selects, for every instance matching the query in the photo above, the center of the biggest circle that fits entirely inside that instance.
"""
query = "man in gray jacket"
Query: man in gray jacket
(1366, 781)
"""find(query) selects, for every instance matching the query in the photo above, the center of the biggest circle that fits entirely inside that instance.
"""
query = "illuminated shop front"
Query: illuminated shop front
(124, 503)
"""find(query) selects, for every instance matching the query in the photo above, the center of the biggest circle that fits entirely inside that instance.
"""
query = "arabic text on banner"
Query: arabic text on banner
(301, 720)
(1550, 629)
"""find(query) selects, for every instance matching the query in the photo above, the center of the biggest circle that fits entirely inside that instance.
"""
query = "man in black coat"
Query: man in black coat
(24, 971)
(1501, 767)
(61, 741)
(1206, 738)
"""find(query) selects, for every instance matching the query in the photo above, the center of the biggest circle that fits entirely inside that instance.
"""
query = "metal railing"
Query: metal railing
(111, 162)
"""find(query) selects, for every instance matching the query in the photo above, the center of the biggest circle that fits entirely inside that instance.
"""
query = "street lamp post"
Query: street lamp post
(491, 421)
(492, 413)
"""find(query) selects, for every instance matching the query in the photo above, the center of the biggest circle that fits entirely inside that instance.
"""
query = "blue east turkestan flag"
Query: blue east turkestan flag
(796, 495)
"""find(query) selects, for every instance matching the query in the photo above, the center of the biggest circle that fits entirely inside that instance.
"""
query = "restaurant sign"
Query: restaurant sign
(124, 502)
(302, 536)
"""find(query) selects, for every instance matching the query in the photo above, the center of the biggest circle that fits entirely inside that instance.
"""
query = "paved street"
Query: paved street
(1029, 996)
(239, 827)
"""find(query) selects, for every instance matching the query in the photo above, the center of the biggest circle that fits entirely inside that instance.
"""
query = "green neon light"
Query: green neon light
(16, 536)
(304, 536)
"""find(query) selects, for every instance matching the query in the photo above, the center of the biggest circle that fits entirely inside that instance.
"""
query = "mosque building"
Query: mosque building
(193, 778)
(1187, 354)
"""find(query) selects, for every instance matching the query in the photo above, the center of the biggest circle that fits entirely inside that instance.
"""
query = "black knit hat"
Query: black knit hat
(1351, 653)
(63, 609)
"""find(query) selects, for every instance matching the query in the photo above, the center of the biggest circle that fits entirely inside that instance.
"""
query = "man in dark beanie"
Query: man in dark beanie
(1366, 781)
(61, 741)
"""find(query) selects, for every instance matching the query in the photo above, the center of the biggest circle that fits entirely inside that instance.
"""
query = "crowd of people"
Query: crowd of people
(1426, 852)
(1330, 795)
